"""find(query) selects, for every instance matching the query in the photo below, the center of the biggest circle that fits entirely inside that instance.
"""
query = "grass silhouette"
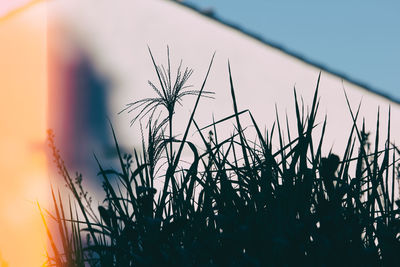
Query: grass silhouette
(238, 202)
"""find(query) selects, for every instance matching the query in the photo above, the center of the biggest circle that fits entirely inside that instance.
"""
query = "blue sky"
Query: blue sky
(360, 39)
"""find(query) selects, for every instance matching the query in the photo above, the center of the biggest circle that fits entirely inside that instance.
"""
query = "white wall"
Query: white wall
(115, 35)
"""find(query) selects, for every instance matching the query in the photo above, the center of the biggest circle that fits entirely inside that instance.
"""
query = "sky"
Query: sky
(358, 38)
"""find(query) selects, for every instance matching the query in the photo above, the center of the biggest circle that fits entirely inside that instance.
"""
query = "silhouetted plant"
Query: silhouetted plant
(169, 94)
(238, 203)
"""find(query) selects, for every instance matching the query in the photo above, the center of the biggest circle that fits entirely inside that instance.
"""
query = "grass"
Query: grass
(238, 202)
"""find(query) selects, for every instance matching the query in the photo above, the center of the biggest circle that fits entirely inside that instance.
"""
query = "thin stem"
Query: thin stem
(170, 136)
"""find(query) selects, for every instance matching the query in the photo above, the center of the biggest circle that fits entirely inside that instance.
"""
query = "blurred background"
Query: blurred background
(23, 101)
(72, 65)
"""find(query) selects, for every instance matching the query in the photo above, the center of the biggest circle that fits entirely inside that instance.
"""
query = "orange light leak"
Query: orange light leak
(23, 171)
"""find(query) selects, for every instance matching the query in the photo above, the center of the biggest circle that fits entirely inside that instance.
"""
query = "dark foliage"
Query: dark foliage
(237, 203)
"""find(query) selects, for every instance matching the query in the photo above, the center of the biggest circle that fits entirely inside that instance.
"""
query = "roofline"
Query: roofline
(281, 48)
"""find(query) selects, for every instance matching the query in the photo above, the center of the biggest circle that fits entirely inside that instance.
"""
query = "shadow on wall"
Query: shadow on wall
(78, 112)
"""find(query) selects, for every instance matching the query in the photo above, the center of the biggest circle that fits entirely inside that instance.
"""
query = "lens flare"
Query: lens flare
(23, 166)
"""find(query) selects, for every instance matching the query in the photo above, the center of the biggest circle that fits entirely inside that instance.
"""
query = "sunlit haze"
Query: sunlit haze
(22, 137)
